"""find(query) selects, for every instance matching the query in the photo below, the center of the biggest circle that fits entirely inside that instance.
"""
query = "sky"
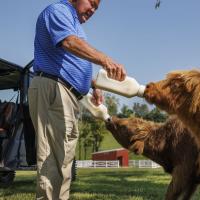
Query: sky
(149, 42)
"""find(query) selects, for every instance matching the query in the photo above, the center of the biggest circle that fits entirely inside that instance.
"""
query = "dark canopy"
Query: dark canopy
(10, 74)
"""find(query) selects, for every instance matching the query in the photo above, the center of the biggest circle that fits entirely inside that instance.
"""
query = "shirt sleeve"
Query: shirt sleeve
(61, 25)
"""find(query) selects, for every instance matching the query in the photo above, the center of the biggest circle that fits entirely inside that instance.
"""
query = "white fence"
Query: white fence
(97, 164)
(143, 164)
(115, 164)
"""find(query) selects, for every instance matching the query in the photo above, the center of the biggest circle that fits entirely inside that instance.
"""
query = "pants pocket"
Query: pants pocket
(33, 104)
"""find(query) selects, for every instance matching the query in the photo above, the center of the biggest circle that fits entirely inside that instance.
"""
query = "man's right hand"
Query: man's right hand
(114, 70)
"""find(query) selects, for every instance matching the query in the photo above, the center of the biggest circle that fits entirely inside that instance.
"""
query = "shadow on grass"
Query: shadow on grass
(19, 186)
(104, 184)
(144, 183)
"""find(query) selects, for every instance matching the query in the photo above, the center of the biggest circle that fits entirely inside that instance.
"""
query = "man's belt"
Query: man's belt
(65, 83)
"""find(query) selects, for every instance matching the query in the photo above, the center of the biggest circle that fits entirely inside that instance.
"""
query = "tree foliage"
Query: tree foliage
(156, 115)
(91, 134)
(125, 112)
(143, 111)
(140, 110)
(112, 103)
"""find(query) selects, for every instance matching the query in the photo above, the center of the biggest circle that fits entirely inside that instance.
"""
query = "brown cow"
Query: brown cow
(179, 94)
(170, 144)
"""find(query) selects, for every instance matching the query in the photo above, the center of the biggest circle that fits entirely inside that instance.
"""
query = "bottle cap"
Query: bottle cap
(106, 117)
(141, 91)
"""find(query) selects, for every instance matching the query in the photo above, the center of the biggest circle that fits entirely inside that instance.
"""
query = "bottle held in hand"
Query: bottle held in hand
(128, 87)
(100, 112)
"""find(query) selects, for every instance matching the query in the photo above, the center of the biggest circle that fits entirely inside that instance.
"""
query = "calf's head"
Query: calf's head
(178, 93)
(130, 132)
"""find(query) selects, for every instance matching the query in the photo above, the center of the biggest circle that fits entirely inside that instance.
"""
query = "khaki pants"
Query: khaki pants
(53, 110)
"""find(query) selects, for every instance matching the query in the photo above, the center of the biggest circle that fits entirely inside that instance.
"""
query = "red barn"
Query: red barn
(114, 154)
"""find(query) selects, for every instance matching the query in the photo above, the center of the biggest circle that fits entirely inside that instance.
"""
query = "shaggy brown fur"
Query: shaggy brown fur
(169, 144)
(179, 94)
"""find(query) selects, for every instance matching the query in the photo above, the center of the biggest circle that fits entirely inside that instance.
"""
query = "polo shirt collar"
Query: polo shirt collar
(71, 7)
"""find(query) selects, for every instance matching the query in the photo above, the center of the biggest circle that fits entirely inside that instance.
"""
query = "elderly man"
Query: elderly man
(63, 69)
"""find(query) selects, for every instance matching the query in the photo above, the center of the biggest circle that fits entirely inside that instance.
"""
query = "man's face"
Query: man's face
(86, 8)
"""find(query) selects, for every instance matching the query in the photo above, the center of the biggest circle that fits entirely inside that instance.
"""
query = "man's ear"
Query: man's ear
(72, 1)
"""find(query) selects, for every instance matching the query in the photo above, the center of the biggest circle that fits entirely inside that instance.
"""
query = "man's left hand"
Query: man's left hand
(97, 97)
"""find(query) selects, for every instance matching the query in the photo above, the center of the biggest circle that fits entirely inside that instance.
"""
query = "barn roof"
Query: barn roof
(111, 150)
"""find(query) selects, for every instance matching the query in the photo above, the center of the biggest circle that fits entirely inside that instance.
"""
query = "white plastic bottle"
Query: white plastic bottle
(100, 112)
(128, 87)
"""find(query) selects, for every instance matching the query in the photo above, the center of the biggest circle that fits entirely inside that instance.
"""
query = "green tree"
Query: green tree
(125, 112)
(87, 143)
(156, 115)
(84, 141)
(112, 103)
(97, 133)
(140, 110)
(91, 133)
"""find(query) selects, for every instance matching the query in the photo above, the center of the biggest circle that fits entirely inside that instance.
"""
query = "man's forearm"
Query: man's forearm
(83, 50)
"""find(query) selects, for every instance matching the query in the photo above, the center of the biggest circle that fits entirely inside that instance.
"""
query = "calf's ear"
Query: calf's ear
(137, 147)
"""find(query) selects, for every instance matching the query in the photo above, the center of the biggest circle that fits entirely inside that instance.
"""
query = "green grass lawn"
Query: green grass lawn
(100, 184)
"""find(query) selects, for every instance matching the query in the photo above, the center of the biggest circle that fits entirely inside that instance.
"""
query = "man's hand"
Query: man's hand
(114, 70)
(97, 97)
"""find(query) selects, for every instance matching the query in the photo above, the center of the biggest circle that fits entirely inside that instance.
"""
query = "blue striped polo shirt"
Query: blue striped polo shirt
(56, 22)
